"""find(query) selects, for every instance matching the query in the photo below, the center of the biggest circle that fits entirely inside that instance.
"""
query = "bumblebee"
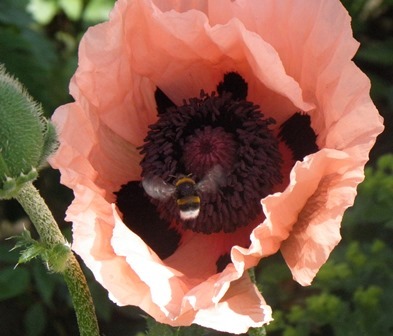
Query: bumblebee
(185, 190)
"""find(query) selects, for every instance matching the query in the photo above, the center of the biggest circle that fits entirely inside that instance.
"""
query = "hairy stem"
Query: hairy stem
(50, 235)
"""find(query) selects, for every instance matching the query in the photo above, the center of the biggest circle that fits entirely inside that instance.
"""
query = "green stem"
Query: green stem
(81, 298)
(40, 215)
(50, 234)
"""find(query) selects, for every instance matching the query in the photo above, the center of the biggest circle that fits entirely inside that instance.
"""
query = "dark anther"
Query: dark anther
(233, 83)
(141, 216)
(299, 136)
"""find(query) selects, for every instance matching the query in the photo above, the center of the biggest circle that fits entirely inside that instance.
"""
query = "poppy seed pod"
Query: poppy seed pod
(26, 138)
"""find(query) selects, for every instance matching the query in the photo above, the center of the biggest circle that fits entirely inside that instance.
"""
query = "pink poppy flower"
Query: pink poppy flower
(255, 110)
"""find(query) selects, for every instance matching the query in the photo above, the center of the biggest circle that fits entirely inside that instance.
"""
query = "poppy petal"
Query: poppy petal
(181, 48)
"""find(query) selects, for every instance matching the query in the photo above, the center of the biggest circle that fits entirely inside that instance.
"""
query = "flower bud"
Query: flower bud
(26, 137)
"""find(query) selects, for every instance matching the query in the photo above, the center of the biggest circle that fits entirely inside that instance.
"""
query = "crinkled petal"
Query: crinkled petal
(305, 178)
(92, 153)
(340, 92)
(191, 45)
(295, 56)
(241, 307)
(329, 179)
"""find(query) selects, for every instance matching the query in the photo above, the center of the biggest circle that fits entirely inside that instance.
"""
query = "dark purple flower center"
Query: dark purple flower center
(207, 148)
(220, 130)
(211, 131)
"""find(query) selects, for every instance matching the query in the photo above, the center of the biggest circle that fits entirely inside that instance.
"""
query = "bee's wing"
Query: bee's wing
(157, 188)
(212, 180)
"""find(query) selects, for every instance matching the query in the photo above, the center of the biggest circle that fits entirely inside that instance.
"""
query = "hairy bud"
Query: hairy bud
(26, 137)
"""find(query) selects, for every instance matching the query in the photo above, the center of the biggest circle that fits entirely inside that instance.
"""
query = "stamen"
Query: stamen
(233, 83)
(224, 131)
(299, 136)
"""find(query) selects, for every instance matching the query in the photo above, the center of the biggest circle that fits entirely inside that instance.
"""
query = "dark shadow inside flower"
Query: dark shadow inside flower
(225, 149)
(223, 261)
(162, 101)
(141, 216)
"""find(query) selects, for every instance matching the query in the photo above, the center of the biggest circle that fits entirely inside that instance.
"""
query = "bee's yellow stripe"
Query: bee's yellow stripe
(184, 180)
(188, 200)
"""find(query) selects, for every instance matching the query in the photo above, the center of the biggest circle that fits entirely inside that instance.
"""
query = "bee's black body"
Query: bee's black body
(187, 198)
(185, 191)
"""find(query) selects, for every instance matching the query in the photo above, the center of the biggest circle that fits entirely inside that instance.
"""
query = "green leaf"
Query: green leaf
(158, 329)
(13, 282)
(192, 330)
(45, 283)
(30, 253)
(8, 255)
(12, 12)
(378, 52)
(31, 248)
(369, 298)
(102, 304)
(22, 240)
(98, 10)
(55, 257)
(43, 11)
(35, 320)
(257, 332)
(31, 57)
(72, 8)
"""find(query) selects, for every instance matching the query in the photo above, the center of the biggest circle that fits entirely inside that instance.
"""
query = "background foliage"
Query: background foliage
(352, 294)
